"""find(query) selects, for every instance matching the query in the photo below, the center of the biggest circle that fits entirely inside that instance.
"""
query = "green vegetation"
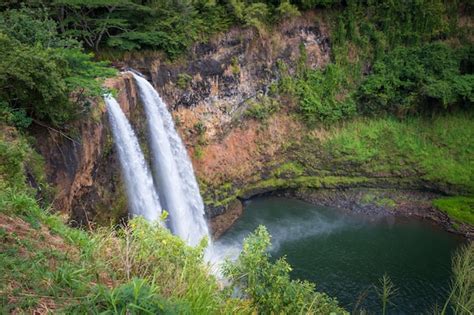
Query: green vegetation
(461, 299)
(380, 201)
(436, 152)
(404, 59)
(458, 208)
(261, 108)
(400, 59)
(169, 26)
(290, 169)
(269, 285)
(386, 291)
(323, 95)
(420, 79)
(183, 80)
(438, 149)
(43, 75)
(138, 268)
(396, 100)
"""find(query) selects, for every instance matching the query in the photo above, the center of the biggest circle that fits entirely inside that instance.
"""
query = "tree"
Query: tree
(43, 75)
(33, 27)
(93, 21)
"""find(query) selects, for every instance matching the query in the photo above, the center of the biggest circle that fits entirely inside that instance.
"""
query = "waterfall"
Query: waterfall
(176, 183)
(142, 197)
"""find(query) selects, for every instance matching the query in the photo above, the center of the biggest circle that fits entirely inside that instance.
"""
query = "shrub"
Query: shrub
(268, 284)
(42, 75)
(15, 117)
(184, 80)
(287, 10)
(262, 108)
(251, 13)
(33, 27)
(323, 96)
(417, 79)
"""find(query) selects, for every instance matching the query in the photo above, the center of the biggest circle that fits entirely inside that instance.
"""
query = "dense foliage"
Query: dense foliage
(43, 75)
(423, 78)
(403, 58)
(171, 26)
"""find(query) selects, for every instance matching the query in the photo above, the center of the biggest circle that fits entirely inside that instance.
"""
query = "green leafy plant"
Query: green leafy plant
(42, 75)
(268, 285)
(261, 108)
(323, 95)
(417, 79)
(184, 80)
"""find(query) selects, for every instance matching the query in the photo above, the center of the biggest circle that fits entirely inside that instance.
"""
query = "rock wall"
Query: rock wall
(84, 168)
(208, 91)
(234, 156)
(212, 86)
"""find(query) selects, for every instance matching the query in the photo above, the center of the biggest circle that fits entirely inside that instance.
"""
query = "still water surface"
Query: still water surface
(347, 254)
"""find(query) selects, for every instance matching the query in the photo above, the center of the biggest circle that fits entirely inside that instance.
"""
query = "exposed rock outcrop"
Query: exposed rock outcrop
(234, 156)
(85, 169)
(208, 93)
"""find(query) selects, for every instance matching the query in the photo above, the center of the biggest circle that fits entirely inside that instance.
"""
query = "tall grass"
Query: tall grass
(386, 291)
(461, 298)
(135, 269)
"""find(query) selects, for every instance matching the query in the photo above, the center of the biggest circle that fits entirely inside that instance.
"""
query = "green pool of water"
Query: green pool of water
(346, 255)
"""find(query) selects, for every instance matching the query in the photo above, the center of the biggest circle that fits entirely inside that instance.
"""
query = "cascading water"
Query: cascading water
(176, 183)
(142, 197)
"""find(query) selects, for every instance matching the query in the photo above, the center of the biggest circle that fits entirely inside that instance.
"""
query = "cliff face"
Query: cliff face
(235, 156)
(208, 92)
(212, 88)
(85, 169)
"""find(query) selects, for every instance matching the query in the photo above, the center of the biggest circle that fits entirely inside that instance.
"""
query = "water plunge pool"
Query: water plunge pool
(347, 254)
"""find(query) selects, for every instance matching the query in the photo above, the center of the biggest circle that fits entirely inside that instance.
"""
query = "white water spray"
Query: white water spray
(176, 183)
(142, 197)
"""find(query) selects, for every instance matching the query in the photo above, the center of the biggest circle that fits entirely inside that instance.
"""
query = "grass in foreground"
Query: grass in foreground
(461, 297)
(140, 268)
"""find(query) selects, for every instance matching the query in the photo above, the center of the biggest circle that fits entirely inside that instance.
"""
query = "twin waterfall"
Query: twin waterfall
(173, 186)
(142, 197)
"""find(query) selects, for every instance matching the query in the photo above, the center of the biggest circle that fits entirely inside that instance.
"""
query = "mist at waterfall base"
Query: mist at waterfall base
(347, 254)
(142, 197)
